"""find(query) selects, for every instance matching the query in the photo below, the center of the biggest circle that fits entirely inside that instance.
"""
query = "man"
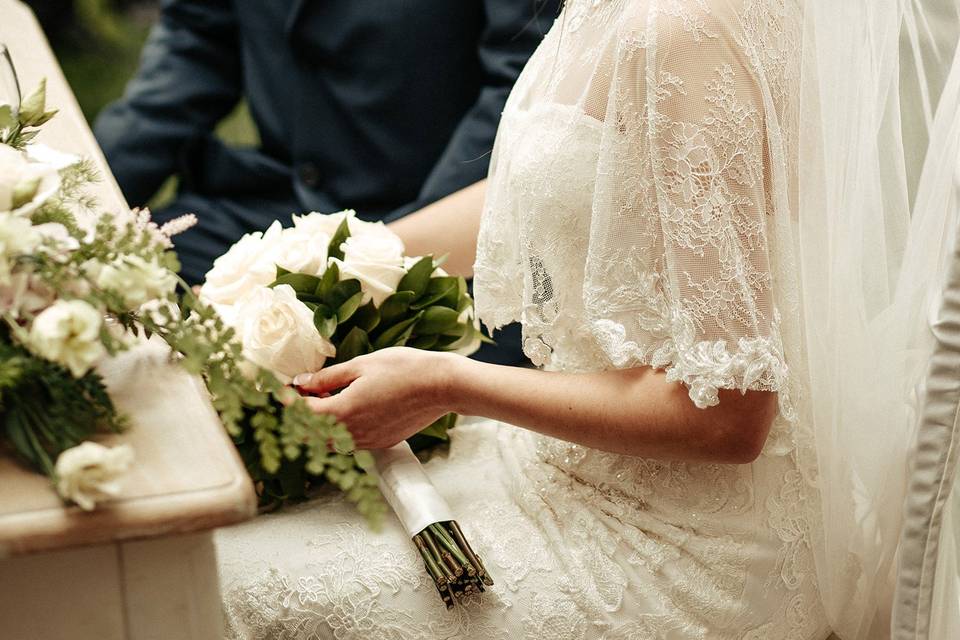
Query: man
(380, 106)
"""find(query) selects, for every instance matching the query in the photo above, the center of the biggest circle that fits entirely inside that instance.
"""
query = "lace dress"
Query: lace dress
(640, 189)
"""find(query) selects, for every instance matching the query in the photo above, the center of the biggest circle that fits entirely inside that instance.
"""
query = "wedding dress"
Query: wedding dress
(643, 179)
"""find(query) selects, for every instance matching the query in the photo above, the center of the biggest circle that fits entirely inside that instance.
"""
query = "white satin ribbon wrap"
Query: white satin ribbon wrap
(408, 490)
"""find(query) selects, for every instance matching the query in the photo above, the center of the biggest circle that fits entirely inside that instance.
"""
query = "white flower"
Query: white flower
(324, 223)
(278, 333)
(51, 157)
(376, 261)
(68, 333)
(24, 185)
(136, 279)
(327, 224)
(25, 294)
(56, 238)
(88, 473)
(17, 238)
(302, 252)
(249, 264)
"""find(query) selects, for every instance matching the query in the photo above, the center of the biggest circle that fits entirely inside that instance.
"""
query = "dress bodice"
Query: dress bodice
(590, 300)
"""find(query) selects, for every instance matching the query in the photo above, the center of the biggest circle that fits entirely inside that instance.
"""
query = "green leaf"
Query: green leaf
(445, 343)
(346, 310)
(341, 292)
(396, 306)
(330, 278)
(424, 342)
(439, 428)
(437, 320)
(33, 107)
(281, 271)
(356, 343)
(418, 277)
(7, 119)
(367, 317)
(325, 320)
(45, 117)
(397, 335)
(301, 282)
(443, 291)
(339, 237)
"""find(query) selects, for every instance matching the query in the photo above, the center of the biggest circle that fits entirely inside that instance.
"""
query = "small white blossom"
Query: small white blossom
(136, 279)
(17, 238)
(89, 473)
(24, 185)
(25, 294)
(68, 333)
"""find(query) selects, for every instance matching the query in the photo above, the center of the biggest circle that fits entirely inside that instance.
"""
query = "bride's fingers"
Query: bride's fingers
(330, 406)
(325, 380)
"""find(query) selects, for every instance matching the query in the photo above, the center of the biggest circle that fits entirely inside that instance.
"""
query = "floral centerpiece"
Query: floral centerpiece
(78, 285)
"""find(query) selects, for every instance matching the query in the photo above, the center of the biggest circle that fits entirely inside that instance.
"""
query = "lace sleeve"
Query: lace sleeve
(679, 275)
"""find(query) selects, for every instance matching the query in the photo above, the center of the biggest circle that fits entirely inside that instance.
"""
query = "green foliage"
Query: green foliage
(45, 410)
(424, 312)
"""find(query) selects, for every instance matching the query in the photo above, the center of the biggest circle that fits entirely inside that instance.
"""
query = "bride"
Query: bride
(651, 482)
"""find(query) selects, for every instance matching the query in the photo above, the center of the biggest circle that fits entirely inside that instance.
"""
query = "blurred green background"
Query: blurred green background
(98, 44)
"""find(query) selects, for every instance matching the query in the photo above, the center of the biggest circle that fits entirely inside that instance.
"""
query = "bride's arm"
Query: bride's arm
(448, 227)
(391, 394)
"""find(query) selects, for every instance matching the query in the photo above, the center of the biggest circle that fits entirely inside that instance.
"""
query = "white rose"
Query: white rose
(249, 264)
(376, 261)
(136, 279)
(24, 185)
(328, 223)
(278, 333)
(88, 473)
(384, 248)
(68, 333)
(302, 252)
(324, 223)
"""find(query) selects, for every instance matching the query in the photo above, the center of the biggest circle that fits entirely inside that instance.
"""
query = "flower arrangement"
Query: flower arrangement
(78, 285)
(333, 287)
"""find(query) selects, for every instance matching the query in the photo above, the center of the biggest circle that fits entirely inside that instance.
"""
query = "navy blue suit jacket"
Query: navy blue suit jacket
(377, 105)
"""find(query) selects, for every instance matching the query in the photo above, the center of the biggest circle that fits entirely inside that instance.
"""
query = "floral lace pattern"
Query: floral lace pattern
(640, 179)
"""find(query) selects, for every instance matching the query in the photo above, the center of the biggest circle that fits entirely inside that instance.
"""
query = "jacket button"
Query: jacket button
(309, 175)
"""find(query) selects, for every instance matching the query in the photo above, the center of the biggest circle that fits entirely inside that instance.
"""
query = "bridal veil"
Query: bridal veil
(873, 250)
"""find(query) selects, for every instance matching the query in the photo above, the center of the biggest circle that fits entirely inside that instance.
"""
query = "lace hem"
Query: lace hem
(704, 366)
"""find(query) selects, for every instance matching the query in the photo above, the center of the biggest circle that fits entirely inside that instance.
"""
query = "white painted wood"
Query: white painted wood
(163, 589)
(171, 588)
(64, 595)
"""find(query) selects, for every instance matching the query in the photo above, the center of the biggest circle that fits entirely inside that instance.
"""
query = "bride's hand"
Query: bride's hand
(386, 396)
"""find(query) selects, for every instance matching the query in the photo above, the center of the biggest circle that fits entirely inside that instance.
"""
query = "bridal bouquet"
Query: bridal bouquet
(328, 289)
(78, 285)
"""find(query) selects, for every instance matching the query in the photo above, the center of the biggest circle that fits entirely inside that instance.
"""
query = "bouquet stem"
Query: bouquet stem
(454, 567)
(456, 570)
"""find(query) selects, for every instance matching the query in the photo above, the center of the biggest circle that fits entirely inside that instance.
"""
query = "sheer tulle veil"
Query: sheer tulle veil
(871, 262)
